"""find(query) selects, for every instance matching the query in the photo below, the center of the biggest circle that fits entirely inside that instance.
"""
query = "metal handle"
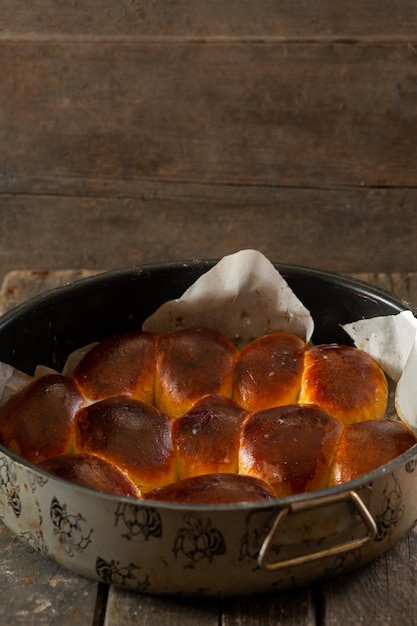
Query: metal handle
(297, 507)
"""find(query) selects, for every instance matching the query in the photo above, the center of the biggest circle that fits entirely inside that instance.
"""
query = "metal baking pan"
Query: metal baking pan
(195, 550)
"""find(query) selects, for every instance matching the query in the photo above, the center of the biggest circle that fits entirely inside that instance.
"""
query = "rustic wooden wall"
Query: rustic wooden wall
(137, 131)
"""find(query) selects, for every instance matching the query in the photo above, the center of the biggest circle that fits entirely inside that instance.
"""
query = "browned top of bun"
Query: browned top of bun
(207, 437)
(345, 381)
(186, 416)
(365, 446)
(133, 435)
(37, 422)
(214, 489)
(123, 364)
(91, 471)
(192, 363)
(268, 372)
(290, 447)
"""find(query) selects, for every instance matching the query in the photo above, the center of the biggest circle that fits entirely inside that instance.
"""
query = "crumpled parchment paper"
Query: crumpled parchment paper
(391, 340)
(243, 296)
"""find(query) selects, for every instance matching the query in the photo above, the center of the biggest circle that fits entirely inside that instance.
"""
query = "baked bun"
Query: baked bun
(187, 417)
(207, 437)
(345, 382)
(133, 435)
(268, 372)
(123, 364)
(365, 446)
(190, 364)
(213, 489)
(290, 447)
(36, 422)
(91, 471)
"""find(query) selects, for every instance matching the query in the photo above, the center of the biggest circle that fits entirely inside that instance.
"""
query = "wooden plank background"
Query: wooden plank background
(141, 131)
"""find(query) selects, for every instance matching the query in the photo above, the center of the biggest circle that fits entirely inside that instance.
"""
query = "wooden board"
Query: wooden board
(335, 231)
(382, 593)
(216, 18)
(273, 114)
(141, 131)
(20, 285)
(34, 590)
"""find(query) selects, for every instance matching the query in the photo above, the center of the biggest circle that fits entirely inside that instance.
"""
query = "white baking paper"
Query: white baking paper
(391, 341)
(243, 296)
(12, 380)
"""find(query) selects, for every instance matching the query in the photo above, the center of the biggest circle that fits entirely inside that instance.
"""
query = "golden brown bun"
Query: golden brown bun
(268, 372)
(123, 364)
(176, 415)
(190, 364)
(290, 447)
(366, 446)
(206, 438)
(91, 471)
(214, 489)
(345, 382)
(36, 422)
(133, 435)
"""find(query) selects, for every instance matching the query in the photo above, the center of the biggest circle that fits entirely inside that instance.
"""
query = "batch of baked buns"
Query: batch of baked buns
(186, 416)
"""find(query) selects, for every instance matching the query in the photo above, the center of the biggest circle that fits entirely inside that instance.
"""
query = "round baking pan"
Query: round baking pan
(195, 550)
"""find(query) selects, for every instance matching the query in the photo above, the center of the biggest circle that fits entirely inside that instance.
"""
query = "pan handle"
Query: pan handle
(370, 530)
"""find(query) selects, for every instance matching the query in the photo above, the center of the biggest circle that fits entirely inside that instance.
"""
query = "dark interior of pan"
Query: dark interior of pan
(48, 327)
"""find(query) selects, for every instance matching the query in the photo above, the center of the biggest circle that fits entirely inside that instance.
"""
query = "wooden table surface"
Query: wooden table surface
(34, 590)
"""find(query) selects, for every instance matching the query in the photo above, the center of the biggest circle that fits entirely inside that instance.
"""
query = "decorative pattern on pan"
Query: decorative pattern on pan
(198, 540)
(112, 572)
(68, 527)
(138, 520)
(393, 510)
(9, 485)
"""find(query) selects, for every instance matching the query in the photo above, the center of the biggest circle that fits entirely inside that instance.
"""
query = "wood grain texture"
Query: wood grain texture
(290, 608)
(35, 591)
(192, 129)
(27, 284)
(381, 593)
(256, 18)
(345, 232)
(271, 114)
(141, 610)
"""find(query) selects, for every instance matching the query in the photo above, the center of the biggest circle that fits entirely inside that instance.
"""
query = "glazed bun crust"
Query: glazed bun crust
(91, 471)
(290, 447)
(214, 489)
(365, 446)
(133, 435)
(187, 417)
(268, 372)
(123, 364)
(190, 364)
(345, 382)
(207, 437)
(37, 422)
